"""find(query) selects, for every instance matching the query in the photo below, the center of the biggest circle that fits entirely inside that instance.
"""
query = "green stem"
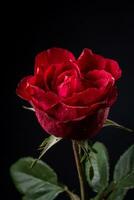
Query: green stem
(71, 194)
(79, 168)
(105, 194)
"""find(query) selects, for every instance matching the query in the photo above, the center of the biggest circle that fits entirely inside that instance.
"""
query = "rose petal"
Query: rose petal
(48, 76)
(84, 98)
(79, 130)
(43, 100)
(64, 113)
(51, 125)
(67, 83)
(89, 61)
(70, 82)
(99, 78)
(65, 89)
(23, 87)
(112, 96)
(89, 126)
(102, 82)
(52, 56)
(53, 72)
(113, 68)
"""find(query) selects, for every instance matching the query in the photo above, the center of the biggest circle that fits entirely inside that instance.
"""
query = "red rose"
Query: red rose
(71, 97)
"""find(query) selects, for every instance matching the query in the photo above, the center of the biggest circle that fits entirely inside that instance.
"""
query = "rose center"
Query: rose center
(64, 88)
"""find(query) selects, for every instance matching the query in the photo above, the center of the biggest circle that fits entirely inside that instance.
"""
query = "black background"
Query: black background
(107, 30)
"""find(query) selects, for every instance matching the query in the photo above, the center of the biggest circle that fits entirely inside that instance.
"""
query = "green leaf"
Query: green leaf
(123, 175)
(118, 194)
(36, 183)
(109, 122)
(124, 169)
(99, 162)
(111, 193)
(46, 145)
(50, 192)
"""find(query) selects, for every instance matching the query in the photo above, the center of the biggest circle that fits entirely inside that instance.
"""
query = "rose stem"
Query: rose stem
(79, 168)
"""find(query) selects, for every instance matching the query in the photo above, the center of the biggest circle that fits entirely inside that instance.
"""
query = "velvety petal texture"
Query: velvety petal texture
(71, 97)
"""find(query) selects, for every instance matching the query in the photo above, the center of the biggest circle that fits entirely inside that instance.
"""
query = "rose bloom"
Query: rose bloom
(71, 97)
